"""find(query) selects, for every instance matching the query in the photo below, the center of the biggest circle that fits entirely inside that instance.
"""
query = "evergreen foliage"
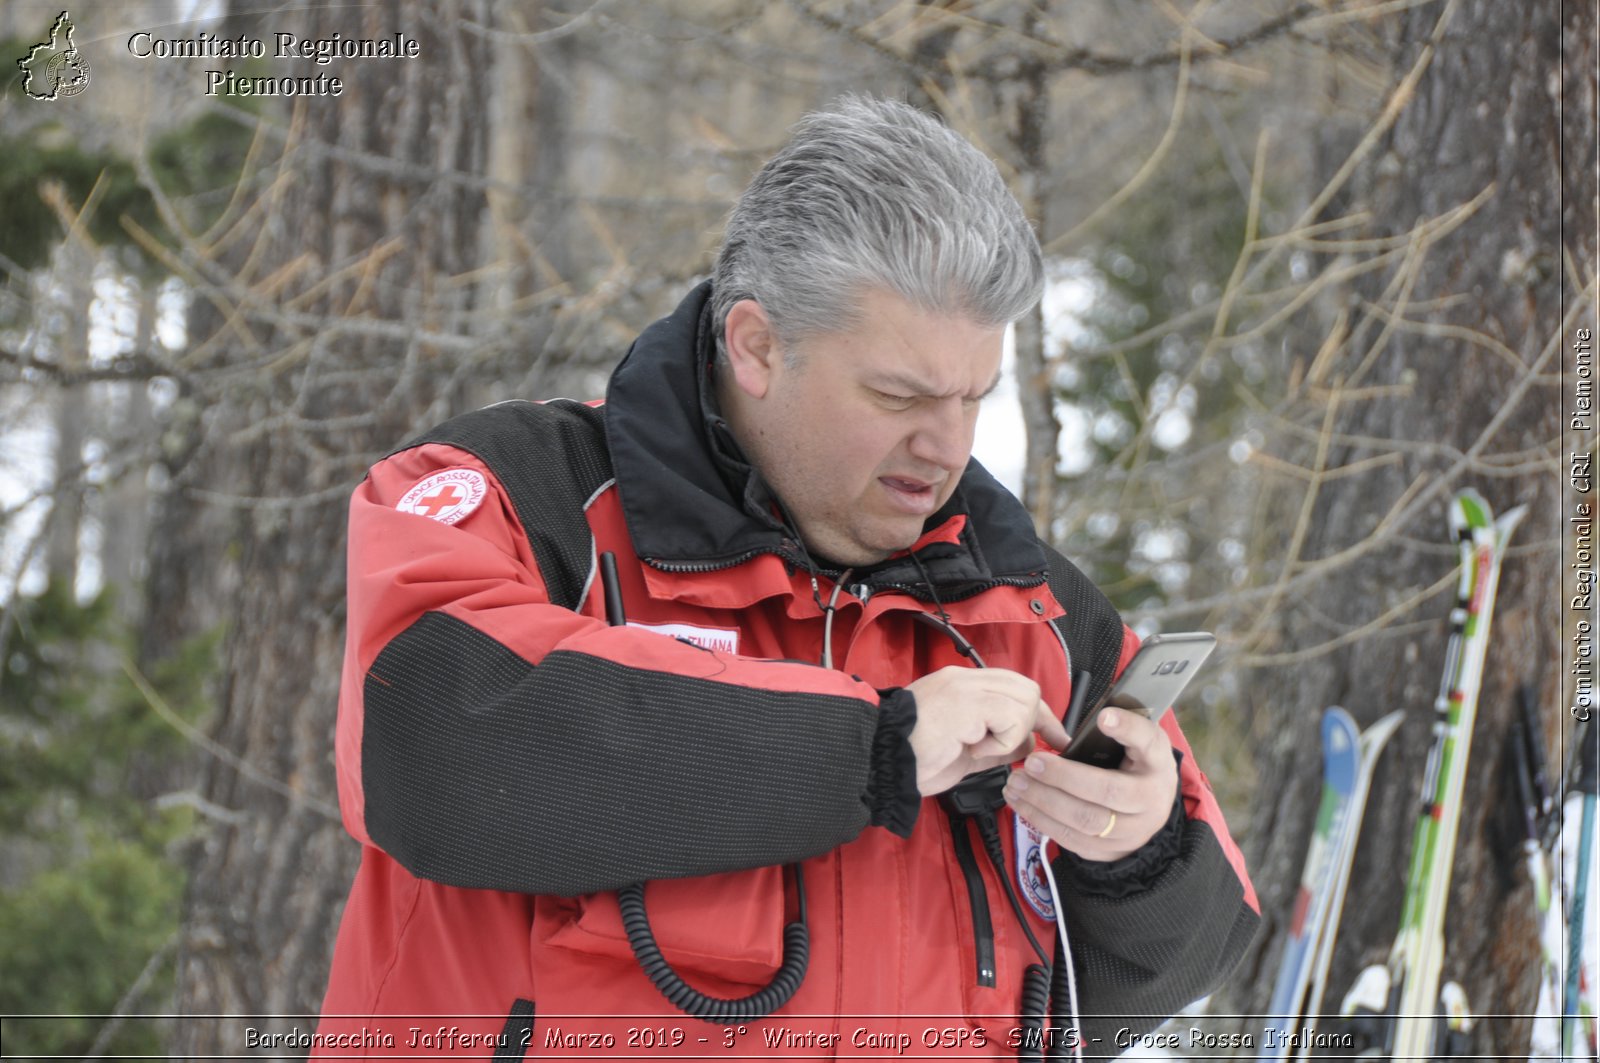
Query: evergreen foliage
(91, 885)
(1170, 247)
(198, 163)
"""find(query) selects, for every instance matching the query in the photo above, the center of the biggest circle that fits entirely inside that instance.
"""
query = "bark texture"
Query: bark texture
(1507, 98)
(371, 222)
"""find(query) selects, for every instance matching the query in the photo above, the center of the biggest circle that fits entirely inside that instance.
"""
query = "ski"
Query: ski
(1373, 739)
(1349, 758)
(1538, 807)
(1341, 769)
(1405, 992)
(1578, 1025)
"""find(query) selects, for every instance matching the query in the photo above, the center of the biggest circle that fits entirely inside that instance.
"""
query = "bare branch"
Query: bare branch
(198, 738)
(127, 367)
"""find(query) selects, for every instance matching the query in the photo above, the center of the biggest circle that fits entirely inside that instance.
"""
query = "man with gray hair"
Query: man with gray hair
(721, 716)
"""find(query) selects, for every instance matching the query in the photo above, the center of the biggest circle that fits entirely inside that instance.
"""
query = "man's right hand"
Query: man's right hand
(970, 719)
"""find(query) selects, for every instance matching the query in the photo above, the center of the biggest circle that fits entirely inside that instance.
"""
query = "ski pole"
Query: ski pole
(1588, 782)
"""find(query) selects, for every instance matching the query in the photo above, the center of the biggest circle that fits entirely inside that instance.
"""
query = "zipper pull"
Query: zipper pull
(862, 591)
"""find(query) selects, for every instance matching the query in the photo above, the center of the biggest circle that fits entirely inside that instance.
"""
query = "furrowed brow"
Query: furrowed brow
(911, 386)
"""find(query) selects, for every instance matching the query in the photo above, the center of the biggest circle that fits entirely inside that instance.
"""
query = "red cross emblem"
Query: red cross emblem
(440, 499)
(447, 496)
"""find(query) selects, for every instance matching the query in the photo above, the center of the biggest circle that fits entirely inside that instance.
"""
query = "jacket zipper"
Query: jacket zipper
(707, 566)
(978, 896)
(921, 595)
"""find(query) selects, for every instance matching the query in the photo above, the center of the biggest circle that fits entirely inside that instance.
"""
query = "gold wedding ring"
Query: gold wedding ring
(1112, 822)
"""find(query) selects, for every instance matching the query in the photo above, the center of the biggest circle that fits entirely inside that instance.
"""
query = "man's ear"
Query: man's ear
(752, 347)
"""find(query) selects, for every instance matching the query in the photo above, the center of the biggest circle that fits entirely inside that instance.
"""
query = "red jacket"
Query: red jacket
(507, 763)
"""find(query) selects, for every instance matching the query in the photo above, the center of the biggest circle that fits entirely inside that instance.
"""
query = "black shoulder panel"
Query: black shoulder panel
(551, 458)
(1092, 627)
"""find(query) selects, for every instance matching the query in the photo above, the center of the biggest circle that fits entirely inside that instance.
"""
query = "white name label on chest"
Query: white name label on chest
(722, 639)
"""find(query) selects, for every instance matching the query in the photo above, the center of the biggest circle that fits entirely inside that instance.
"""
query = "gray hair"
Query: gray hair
(875, 193)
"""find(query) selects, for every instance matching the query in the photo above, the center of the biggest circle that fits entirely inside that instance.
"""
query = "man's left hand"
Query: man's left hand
(1101, 813)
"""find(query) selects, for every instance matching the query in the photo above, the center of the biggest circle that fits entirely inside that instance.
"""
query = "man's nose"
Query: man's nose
(943, 436)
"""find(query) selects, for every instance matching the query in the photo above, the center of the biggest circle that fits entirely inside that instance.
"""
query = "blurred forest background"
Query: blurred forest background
(1316, 263)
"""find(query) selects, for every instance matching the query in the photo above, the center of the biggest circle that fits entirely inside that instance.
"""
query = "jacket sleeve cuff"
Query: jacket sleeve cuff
(892, 795)
(1136, 871)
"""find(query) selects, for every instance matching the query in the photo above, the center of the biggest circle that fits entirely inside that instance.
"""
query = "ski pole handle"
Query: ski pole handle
(612, 590)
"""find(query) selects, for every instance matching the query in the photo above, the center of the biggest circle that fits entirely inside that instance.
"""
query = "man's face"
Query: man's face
(867, 435)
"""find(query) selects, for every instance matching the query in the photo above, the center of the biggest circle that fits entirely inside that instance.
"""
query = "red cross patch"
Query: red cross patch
(1030, 870)
(447, 496)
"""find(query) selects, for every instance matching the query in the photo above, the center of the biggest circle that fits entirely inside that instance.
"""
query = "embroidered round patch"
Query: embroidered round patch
(448, 496)
(1030, 870)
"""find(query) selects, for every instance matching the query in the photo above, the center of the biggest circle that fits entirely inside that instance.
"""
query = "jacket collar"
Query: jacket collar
(691, 500)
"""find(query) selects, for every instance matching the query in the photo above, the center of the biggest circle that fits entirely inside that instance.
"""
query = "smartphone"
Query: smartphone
(1149, 685)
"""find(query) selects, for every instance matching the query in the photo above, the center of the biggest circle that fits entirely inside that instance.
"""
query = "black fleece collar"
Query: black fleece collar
(691, 499)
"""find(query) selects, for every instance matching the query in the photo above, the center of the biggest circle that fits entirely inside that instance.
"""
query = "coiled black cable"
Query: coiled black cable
(1035, 1011)
(692, 1002)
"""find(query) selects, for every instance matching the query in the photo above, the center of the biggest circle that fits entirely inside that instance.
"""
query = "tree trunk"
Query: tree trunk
(1036, 388)
(372, 220)
(71, 419)
(124, 510)
(1486, 117)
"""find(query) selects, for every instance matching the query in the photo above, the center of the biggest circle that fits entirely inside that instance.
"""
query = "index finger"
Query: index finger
(1048, 727)
(1143, 739)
